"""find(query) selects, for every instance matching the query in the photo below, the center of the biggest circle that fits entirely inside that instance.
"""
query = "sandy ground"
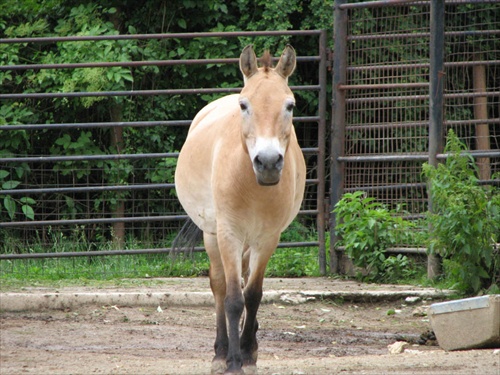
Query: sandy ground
(316, 337)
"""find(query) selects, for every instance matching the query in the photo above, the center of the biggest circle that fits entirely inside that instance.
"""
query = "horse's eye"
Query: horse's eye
(290, 106)
(243, 106)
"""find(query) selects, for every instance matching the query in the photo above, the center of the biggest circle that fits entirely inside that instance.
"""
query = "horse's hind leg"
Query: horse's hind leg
(218, 286)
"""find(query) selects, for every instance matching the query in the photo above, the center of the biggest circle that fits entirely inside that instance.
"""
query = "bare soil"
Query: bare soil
(318, 337)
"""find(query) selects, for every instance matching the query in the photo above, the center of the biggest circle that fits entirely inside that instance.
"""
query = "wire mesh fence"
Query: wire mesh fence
(382, 96)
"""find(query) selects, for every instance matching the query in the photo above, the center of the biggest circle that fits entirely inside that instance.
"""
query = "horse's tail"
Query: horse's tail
(187, 239)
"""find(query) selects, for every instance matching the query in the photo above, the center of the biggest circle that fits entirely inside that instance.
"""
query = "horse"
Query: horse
(240, 177)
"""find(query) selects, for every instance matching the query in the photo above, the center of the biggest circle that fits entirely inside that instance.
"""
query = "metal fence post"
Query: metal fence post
(338, 122)
(321, 152)
(436, 104)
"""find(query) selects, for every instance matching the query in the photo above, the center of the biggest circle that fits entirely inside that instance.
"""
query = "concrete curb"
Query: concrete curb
(13, 302)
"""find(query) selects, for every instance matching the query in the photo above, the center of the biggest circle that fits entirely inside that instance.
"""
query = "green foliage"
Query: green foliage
(367, 228)
(295, 262)
(10, 204)
(465, 220)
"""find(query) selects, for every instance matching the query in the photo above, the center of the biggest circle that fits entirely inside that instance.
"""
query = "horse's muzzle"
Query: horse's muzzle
(268, 167)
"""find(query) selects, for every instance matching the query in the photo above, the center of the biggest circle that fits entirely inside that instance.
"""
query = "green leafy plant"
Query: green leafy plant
(295, 262)
(8, 182)
(465, 221)
(367, 228)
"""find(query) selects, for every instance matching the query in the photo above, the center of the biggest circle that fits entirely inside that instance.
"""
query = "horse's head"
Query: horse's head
(266, 104)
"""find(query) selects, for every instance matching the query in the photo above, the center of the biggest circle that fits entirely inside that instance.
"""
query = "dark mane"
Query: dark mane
(266, 61)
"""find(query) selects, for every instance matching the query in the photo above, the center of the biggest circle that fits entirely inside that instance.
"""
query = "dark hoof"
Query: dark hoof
(235, 372)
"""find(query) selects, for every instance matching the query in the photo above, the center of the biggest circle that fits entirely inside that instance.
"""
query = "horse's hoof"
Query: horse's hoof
(250, 369)
(218, 366)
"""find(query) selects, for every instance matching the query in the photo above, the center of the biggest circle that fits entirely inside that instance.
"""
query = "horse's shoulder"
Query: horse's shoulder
(215, 110)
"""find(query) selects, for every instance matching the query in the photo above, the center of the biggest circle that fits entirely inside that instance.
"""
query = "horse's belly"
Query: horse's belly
(192, 183)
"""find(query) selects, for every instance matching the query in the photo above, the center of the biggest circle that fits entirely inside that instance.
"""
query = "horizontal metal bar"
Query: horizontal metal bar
(396, 250)
(378, 3)
(358, 68)
(399, 125)
(139, 63)
(387, 187)
(384, 86)
(307, 150)
(132, 124)
(92, 221)
(413, 157)
(421, 97)
(46, 159)
(375, 158)
(195, 91)
(472, 121)
(387, 36)
(75, 254)
(167, 250)
(32, 223)
(88, 189)
(473, 153)
(382, 3)
(40, 159)
(229, 34)
(420, 35)
(406, 186)
(94, 189)
(85, 125)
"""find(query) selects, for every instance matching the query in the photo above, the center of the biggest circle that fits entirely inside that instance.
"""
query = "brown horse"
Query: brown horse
(240, 177)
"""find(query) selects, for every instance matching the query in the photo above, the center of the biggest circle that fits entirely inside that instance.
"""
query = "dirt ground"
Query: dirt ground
(317, 337)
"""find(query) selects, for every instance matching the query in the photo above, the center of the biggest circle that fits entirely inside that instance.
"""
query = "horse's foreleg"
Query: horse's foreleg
(253, 296)
(248, 341)
(231, 255)
(234, 305)
(218, 286)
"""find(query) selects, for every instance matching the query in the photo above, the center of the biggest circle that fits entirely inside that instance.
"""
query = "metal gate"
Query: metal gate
(403, 74)
(61, 191)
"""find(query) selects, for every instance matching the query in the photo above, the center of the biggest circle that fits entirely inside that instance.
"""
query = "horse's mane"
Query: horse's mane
(266, 61)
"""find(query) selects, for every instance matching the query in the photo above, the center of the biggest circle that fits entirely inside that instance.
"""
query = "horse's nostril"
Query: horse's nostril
(264, 161)
(259, 165)
(279, 163)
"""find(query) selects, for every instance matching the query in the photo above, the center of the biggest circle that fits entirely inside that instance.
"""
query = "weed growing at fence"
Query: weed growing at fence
(367, 229)
(465, 222)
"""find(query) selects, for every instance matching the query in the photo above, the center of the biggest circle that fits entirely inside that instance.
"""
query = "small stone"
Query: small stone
(397, 348)
(420, 311)
(412, 300)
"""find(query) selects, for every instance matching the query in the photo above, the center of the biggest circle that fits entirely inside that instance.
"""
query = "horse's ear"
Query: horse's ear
(286, 65)
(248, 61)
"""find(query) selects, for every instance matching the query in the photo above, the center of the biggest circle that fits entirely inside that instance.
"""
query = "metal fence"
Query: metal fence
(86, 209)
(404, 73)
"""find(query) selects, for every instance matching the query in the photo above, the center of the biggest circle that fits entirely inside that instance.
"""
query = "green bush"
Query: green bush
(465, 221)
(366, 229)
